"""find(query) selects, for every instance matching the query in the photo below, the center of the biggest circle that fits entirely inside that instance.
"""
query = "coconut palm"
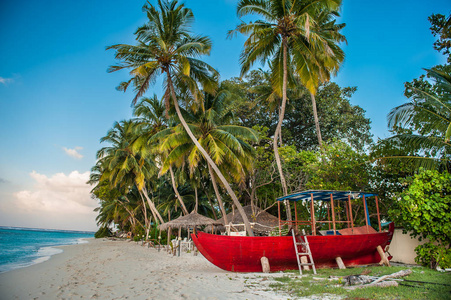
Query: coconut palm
(227, 144)
(123, 167)
(288, 36)
(426, 122)
(150, 113)
(166, 46)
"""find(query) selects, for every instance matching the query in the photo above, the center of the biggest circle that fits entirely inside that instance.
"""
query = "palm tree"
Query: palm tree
(123, 167)
(285, 37)
(227, 144)
(425, 124)
(166, 46)
(150, 119)
(330, 57)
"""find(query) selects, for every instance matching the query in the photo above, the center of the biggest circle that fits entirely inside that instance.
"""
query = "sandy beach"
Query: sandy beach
(105, 269)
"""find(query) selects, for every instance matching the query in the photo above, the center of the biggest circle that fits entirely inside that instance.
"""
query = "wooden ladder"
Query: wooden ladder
(308, 253)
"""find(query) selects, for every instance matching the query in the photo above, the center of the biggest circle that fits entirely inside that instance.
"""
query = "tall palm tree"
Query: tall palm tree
(166, 46)
(287, 37)
(426, 122)
(227, 144)
(330, 57)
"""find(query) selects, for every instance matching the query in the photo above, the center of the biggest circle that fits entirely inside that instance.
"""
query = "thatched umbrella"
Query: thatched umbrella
(264, 222)
(192, 220)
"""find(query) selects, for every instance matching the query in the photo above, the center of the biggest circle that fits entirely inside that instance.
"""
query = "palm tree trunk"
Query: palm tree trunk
(151, 210)
(208, 158)
(130, 212)
(146, 220)
(211, 205)
(218, 196)
(315, 116)
(197, 200)
(177, 194)
(152, 206)
(279, 129)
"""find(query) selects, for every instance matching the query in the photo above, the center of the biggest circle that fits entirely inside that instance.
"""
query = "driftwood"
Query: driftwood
(394, 275)
(358, 279)
(379, 282)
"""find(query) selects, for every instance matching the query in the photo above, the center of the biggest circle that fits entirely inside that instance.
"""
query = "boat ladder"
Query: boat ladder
(305, 251)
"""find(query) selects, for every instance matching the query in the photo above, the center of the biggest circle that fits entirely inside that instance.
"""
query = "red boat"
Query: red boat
(354, 245)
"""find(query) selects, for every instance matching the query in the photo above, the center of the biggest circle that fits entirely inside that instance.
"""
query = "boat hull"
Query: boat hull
(243, 254)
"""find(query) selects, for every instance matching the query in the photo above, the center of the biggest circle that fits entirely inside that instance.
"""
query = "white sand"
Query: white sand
(104, 269)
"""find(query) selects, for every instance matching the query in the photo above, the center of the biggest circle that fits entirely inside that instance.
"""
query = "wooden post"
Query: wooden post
(169, 238)
(169, 230)
(295, 227)
(280, 222)
(347, 214)
(384, 259)
(312, 215)
(378, 215)
(333, 212)
(265, 264)
(366, 214)
(350, 212)
(179, 246)
(340, 263)
(328, 214)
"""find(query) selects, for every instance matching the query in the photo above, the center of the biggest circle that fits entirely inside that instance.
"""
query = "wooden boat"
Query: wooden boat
(354, 245)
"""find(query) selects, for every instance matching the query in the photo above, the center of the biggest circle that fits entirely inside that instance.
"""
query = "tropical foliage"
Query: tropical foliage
(423, 210)
(212, 146)
(424, 124)
(297, 38)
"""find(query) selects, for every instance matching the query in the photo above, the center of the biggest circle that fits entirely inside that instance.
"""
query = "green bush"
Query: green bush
(432, 255)
(423, 209)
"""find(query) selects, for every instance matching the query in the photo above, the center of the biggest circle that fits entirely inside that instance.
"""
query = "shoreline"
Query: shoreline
(47, 252)
(106, 269)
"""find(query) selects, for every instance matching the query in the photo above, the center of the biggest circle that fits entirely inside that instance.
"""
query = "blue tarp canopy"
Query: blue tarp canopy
(319, 195)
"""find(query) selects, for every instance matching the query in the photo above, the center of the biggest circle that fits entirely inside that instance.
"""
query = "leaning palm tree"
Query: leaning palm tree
(227, 144)
(150, 120)
(165, 45)
(426, 122)
(284, 36)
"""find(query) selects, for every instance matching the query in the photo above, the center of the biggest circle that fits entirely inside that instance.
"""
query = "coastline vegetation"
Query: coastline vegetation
(212, 146)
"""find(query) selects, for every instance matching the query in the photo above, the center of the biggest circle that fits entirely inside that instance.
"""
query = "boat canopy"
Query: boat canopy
(321, 195)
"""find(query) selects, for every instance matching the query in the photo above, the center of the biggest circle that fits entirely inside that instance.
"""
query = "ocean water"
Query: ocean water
(23, 247)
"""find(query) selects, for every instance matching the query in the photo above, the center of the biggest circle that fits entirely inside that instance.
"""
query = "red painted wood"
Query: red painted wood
(242, 253)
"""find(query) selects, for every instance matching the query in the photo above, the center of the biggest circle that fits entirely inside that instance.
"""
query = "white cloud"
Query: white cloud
(60, 201)
(74, 152)
(5, 81)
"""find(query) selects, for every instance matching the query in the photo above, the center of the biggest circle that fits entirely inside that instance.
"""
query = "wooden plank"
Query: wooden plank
(384, 259)
(265, 264)
(340, 263)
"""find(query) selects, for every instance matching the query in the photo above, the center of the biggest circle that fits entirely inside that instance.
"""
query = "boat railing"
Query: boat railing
(331, 212)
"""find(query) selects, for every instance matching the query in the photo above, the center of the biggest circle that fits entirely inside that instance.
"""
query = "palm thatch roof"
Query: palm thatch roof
(264, 222)
(191, 220)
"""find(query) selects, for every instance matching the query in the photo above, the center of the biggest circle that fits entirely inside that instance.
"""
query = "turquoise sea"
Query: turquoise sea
(22, 247)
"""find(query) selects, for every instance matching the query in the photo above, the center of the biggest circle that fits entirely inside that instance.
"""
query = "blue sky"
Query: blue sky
(57, 100)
